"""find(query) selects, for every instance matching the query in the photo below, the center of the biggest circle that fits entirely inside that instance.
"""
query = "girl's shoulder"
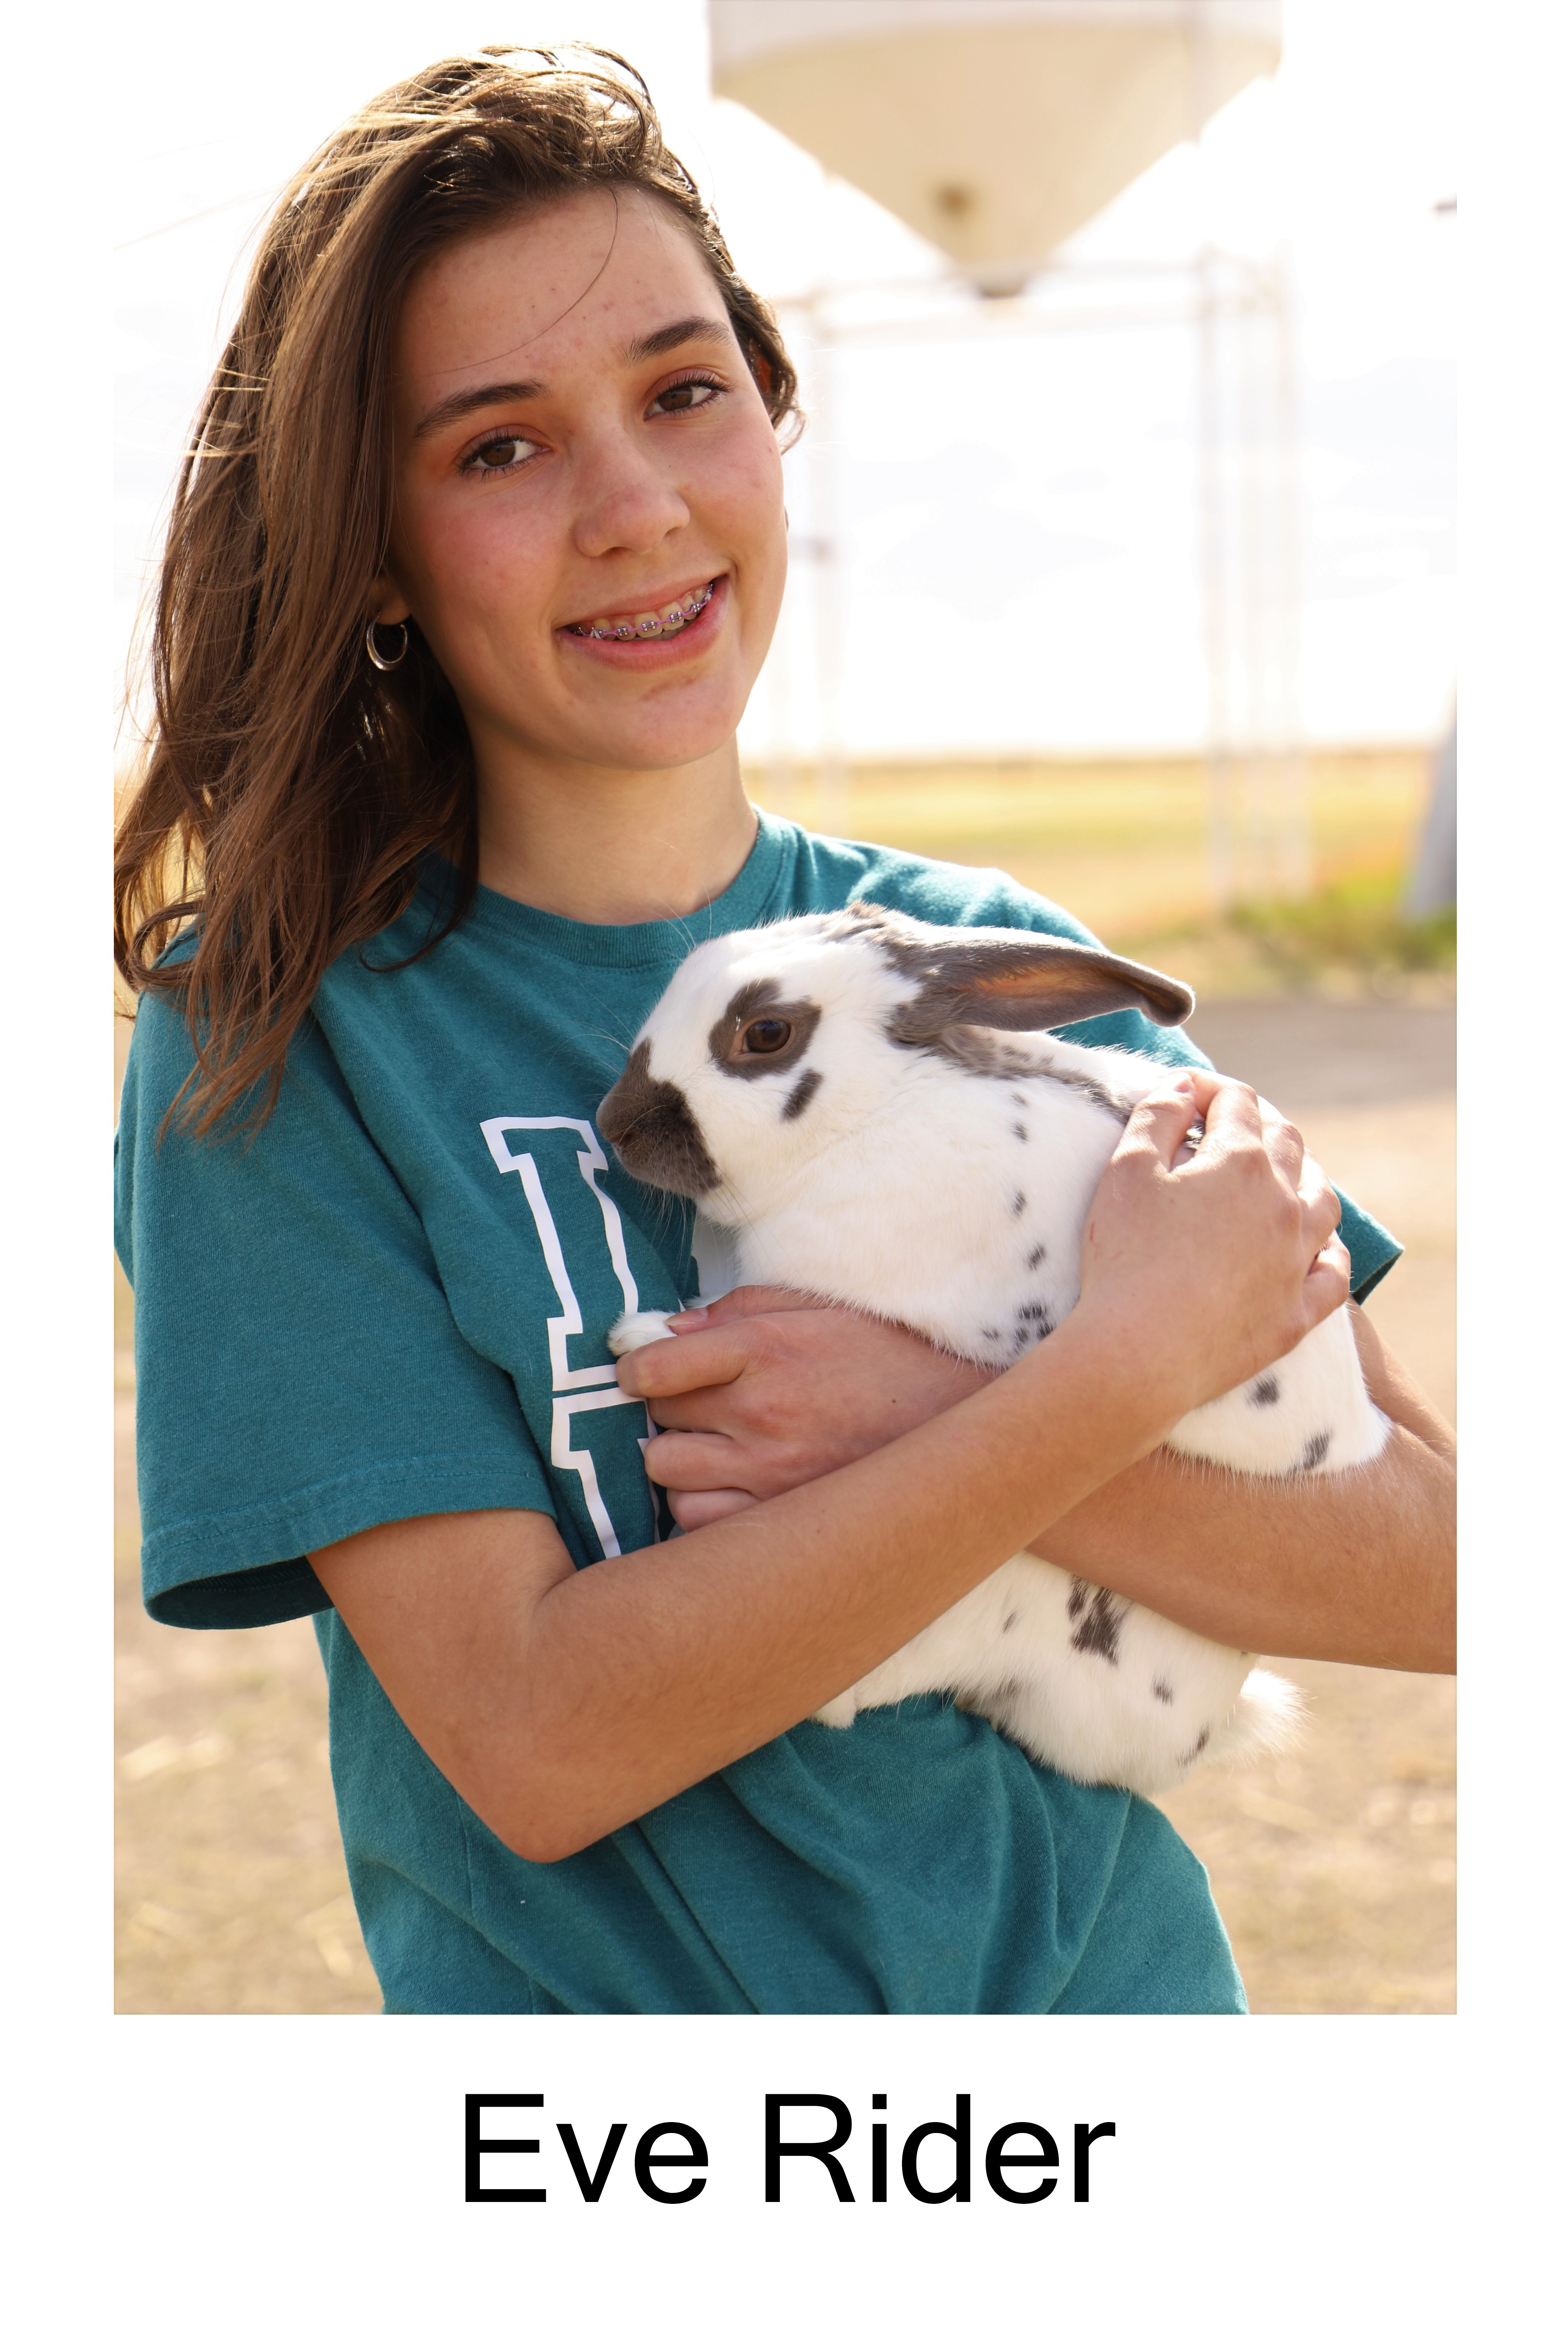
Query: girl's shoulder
(161, 1065)
(822, 872)
(825, 873)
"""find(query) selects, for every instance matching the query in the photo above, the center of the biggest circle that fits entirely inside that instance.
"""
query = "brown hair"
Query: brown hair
(291, 792)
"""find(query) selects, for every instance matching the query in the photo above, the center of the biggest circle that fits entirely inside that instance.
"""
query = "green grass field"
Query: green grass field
(1124, 843)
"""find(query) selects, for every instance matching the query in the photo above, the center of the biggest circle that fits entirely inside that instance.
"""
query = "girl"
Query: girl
(470, 570)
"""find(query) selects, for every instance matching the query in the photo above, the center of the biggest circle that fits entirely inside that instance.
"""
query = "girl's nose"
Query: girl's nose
(628, 502)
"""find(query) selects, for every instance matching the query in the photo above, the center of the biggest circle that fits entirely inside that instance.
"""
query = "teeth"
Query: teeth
(666, 624)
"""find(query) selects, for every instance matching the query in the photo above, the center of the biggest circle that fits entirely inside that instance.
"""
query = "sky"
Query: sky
(1016, 511)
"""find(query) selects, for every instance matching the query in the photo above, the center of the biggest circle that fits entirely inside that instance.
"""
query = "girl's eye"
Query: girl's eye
(680, 399)
(767, 1036)
(500, 455)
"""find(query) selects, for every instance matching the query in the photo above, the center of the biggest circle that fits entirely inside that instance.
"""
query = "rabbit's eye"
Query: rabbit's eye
(767, 1036)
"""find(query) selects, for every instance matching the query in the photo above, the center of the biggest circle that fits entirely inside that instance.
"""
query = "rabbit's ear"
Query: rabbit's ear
(1017, 980)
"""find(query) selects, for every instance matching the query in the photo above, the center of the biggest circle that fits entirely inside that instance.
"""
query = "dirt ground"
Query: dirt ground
(1334, 1870)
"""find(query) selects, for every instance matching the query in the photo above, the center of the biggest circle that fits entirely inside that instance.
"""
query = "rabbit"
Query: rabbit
(843, 1093)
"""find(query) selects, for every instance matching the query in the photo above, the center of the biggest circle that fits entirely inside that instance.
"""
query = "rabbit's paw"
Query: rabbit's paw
(838, 1714)
(640, 1330)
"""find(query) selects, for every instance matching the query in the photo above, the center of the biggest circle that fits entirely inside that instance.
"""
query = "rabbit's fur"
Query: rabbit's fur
(893, 1148)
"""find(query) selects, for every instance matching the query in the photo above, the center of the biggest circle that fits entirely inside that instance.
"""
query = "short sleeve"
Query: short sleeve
(997, 899)
(300, 1374)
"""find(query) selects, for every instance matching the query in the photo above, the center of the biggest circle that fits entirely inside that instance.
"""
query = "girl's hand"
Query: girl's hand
(1201, 1268)
(767, 1388)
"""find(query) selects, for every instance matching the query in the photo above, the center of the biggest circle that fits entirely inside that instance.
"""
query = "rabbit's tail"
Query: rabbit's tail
(1270, 1717)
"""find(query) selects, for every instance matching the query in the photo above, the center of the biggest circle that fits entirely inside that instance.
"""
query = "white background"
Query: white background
(180, 2182)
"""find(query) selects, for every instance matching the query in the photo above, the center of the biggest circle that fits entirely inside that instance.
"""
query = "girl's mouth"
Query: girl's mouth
(649, 626)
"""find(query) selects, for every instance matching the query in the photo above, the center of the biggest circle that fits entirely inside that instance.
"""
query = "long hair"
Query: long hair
(291, 792)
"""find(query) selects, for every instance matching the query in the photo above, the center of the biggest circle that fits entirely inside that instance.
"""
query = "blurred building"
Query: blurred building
(1434, 876)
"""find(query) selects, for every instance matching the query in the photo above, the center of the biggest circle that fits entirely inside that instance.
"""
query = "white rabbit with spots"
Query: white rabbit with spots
(877, 1111)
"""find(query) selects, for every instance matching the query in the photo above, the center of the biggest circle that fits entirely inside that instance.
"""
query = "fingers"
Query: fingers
(1321, 1210)
(691, 1512)
(1160, 1121)
(694, 1459)
(1328, 1283)
(1284, 1145)
(751, 1299)
(709, 1357)
(1234, 1116)
(1231, 1112)
(1207, 1087)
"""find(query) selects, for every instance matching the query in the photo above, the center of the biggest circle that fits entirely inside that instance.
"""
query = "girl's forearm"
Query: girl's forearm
(1361, 1567)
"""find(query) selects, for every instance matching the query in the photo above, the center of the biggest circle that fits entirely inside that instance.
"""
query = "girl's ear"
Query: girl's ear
(388, 605)
(1015, 980)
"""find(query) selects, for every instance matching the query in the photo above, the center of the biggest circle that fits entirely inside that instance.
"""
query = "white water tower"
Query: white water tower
(995, 128)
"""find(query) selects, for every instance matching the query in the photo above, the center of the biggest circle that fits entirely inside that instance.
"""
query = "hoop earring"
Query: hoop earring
(380, 659)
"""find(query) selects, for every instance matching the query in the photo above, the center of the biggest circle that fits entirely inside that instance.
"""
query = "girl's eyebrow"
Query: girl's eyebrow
(698, 330)
(463, 403)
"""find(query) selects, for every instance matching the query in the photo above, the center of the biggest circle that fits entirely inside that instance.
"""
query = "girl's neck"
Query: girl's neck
(615, 846)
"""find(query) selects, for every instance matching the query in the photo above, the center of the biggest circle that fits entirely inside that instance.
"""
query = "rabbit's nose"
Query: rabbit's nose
(616, 1115)
(656, 1138)
(612, 1119)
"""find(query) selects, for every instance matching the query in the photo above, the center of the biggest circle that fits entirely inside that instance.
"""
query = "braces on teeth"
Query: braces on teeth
(649, 624)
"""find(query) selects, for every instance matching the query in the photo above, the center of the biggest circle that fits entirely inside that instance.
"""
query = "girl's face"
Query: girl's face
(580, 445)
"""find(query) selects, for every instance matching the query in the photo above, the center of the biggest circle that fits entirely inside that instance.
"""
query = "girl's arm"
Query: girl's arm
(1360, 1565)
(768, 1391)
(563, 1705)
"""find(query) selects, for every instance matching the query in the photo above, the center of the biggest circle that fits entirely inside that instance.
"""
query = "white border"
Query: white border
(1364, 2181)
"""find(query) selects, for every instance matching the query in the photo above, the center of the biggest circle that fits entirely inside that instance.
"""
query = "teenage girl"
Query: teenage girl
(471, 569)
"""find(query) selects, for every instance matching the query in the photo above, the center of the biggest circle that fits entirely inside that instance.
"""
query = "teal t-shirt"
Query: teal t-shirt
(394, 1301)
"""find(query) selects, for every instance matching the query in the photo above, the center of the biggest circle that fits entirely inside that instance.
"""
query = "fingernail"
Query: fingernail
(691, 1318)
